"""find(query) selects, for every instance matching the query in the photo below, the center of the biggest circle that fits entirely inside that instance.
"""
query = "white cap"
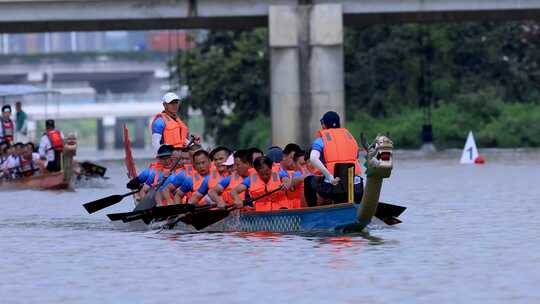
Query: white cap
(229, 161)
(170, 97)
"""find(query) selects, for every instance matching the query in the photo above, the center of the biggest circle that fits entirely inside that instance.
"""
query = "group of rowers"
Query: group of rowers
(285, 178)
(18, 159)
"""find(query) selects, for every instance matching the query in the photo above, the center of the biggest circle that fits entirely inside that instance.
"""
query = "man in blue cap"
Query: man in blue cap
(333, 145)
(275, 154)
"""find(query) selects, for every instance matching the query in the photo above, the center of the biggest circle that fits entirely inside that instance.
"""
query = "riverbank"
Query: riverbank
(495, 124)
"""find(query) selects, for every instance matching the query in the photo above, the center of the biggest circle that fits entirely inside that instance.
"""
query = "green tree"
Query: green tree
(472, 72)
(228, 78)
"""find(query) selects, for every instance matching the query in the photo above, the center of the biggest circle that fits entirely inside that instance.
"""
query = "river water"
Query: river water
(470, 235)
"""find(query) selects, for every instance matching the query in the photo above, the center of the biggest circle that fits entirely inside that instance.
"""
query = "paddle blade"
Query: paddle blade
(102, 203)
(151, 214)
(388, 213)
(387, 210)
(117, 216)
(391, 220)
(201, 220)
(172, 210)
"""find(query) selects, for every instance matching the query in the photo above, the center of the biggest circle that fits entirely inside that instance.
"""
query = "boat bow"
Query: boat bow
(379, 167)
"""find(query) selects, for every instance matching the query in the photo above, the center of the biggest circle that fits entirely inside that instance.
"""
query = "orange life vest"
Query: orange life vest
(311, 169)
(235, 181)
(197, 183)
(339, 147)
(275, 201)
(175, 132)
(295, 197)
(57, 143)
(214, 178)
(163, 200)
(7, 130)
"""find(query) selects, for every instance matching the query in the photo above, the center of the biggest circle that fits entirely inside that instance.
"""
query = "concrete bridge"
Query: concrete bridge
(93, 89)
(305, 36)
(101, 73)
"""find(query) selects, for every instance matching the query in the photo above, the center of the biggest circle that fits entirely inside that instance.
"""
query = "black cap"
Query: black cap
(331, 120)
(49, 123)
(6, 107)
(165, 151)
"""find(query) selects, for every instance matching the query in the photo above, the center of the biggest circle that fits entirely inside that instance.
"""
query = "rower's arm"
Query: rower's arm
(167, 194)
(315, 160)
(235, 192)
(195, 198)
(215, 195)
(156, 142)
(178, 196)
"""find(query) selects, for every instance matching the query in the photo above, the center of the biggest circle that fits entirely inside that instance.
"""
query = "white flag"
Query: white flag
(470, 152)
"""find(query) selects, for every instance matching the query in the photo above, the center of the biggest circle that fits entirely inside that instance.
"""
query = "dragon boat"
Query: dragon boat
(49, 181)
(340, 218)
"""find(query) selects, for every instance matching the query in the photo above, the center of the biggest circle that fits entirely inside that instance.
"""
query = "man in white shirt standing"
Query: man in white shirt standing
(51, 147)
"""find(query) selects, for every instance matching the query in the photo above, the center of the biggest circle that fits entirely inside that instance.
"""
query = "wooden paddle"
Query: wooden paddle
(105, 202)
(388, 213)
(147, 203)
(201, 220)
(171, 225)
(154, 213)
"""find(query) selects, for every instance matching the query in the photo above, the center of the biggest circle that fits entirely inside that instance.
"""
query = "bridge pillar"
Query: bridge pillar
(306, 73)
(141, 127)
(119, 133)
(100, 134)
(105, 131)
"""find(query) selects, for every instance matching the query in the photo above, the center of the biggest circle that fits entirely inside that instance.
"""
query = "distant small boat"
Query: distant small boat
(47, 181)
(470, 152)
